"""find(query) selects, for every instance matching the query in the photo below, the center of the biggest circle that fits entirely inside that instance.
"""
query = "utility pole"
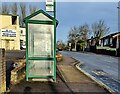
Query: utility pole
(51, 7)
(118, 38)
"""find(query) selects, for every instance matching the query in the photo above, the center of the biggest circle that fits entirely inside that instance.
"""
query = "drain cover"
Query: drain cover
(99, 72)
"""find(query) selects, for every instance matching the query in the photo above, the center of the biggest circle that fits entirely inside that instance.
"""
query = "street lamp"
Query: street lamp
(117, 44)
(118, 38)
(118, 16)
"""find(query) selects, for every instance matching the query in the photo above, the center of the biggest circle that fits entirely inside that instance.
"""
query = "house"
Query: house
(109, 44)
(112, 40)
(9, 32)
(22, 37)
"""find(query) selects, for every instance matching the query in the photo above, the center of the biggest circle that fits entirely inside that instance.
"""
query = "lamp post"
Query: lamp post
(118, 16)
(118, 38)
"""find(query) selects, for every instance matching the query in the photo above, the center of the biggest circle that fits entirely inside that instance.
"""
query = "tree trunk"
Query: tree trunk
(75, 45)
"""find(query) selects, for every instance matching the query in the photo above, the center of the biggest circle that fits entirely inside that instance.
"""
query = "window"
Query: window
(14, 19)
(21, 31)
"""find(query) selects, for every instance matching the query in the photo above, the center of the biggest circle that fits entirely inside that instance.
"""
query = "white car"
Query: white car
(23, 47)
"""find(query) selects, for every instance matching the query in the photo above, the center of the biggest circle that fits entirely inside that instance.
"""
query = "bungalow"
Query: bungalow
(109, 44)
(111, 40)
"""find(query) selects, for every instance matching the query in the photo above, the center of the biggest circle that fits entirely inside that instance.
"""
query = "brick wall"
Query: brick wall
(2, 71)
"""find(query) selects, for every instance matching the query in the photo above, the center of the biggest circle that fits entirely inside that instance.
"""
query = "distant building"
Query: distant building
(9, 32)
(22, 37)
(110, 40)
(91, 45)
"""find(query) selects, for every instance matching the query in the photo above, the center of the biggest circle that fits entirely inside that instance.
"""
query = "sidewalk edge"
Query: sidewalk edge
(61, 73)
(94, 79)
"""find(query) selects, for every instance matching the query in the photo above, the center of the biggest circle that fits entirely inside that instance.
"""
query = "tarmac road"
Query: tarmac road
(103, 67)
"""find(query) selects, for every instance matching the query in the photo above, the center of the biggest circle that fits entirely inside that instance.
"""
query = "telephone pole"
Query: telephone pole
(118, 38)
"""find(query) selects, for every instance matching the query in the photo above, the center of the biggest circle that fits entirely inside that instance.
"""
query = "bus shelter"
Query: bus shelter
(40, 45)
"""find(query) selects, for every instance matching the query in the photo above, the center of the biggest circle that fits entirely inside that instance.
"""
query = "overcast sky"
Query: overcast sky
(78, 13)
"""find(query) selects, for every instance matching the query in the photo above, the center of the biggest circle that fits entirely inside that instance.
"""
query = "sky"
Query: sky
(78, 13)
(71, 14)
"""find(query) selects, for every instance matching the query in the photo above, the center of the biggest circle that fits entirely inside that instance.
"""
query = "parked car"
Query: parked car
(60, 49)
(59, 56)
(23, 47)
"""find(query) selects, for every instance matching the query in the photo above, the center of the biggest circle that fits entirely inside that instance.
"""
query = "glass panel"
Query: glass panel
(42, 47)
(40, 68)
(41, 40)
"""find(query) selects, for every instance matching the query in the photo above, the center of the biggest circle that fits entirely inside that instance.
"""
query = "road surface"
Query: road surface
(103, 67)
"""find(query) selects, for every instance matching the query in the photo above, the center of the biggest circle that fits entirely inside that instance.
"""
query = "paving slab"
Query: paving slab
(76, 80)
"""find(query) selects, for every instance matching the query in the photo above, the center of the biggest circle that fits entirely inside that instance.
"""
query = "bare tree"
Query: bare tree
(74, 35)
(85, 33)
(23, 13)
(99, 29)
(32, 9)
(80, 33)
(14, 8)
(5, 9)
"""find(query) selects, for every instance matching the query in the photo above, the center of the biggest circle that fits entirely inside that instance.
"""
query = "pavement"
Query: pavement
(69, 80)
(103, 67)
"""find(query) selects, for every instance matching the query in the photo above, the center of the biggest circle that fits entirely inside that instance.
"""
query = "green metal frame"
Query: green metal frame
(40, 58)
(40, 76)
(40, 22)
(53, 22)
(41, 11)
(26, 51)
(54, 40)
